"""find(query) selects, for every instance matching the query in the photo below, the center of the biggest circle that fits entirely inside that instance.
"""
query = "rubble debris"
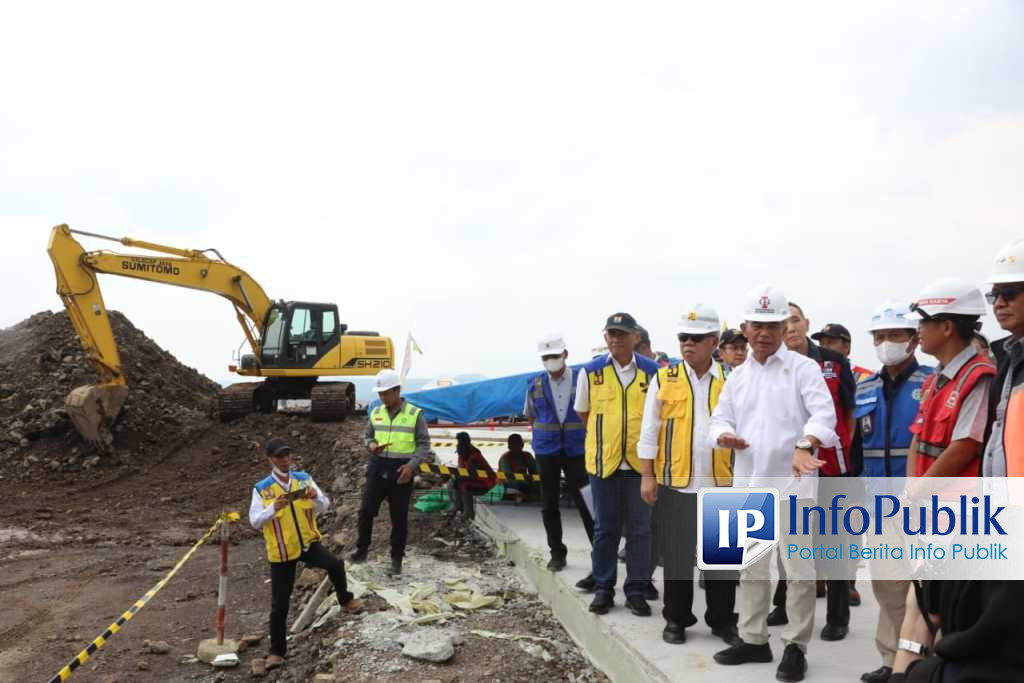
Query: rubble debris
(429, 645)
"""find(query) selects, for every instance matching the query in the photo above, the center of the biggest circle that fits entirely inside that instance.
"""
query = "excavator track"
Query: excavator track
(236, 400)
(331, 401)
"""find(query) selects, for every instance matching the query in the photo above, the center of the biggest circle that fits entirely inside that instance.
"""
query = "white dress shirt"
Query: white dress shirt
(626, 374)
(701, 473)
(259, 515)
(771, 407)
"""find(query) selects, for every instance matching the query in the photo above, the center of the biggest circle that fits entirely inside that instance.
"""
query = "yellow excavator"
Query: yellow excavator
(294, 343)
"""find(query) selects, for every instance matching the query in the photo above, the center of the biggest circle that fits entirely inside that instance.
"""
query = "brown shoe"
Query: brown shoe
(259, 667)
(273, 662)
(353, 606)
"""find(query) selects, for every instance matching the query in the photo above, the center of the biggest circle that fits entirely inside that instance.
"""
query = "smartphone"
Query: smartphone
(298, 494)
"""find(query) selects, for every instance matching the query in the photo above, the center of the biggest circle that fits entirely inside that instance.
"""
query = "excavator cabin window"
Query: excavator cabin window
(299, 334)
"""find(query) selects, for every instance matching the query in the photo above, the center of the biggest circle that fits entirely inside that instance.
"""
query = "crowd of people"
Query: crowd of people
(639, 435)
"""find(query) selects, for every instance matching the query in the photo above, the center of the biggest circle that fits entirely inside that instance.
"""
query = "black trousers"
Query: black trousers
(282, 579)
(382, 483)
(676, 523)
(551, 468)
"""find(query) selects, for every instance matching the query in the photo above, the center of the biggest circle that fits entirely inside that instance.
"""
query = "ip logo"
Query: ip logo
(735, 528)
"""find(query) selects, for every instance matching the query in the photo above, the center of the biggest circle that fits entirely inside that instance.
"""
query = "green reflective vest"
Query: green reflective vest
(398, 435)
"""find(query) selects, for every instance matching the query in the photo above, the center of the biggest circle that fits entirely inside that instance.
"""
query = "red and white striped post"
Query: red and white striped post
(222, 587)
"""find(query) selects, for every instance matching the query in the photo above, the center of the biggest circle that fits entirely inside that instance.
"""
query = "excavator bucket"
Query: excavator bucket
(93, 408)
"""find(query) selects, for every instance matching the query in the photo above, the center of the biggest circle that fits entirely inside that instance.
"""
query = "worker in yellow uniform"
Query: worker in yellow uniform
(284, 506)
(610, 394)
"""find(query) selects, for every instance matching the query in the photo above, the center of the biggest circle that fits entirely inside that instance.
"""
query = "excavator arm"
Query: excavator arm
(93, 408)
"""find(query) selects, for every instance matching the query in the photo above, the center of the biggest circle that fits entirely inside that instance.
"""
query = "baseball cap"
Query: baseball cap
(622, 321)
(645, 337)
(277, 446)
(551, 345)
(731, 336)
(834, 331)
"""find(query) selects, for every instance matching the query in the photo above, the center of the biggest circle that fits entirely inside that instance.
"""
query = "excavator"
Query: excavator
(294, 344)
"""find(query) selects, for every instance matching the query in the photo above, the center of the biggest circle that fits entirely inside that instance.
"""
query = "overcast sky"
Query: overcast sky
(483, 174)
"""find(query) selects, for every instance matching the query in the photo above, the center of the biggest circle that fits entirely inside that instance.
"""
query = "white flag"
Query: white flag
(410, 346)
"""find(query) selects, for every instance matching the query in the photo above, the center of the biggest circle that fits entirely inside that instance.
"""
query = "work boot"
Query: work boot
(650, 592)
(673, 633)
(638, 606)
(396, 566)
(353, 606)
(834, 632)
(728, 633)
(556, 563)
(879, 675)
(587, 584)
(793, 665)
(778, 617)
(744, 653)
(273, 662)
(358, 557)
(602, 602)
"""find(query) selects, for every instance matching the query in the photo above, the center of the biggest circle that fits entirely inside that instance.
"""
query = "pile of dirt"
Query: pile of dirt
(41, 360)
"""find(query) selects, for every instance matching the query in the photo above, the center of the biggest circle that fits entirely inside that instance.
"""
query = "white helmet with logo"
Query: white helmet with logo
(950, 296)
(766, 304)
(891, 315)
(387, 379)
(700, 319)
(551, 345)
(1009, 265)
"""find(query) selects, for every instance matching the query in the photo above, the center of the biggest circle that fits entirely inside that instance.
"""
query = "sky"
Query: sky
(483, 174)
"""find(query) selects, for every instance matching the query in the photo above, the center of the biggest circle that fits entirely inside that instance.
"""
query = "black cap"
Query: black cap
(277, 446)
(622, 321)
(645, 337)
(731, 336)
(833, 331)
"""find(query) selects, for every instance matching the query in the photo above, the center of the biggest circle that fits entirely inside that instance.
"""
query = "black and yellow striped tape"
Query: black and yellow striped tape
(486, 443)
(476, 474)
(83, 656)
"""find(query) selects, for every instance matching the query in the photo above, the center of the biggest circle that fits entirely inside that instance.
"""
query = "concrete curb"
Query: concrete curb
(607, 651)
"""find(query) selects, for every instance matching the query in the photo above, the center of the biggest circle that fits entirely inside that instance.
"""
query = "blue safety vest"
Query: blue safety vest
(885, 425)
(550, 437)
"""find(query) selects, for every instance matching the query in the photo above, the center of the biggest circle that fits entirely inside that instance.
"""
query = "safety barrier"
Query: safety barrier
(83, 656)
(475, 474)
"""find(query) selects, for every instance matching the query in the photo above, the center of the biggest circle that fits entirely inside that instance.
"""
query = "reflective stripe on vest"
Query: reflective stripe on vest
(398, 434)
(613, 423)
(293, 527)
(880, 452)
(939, 410)
(673, 466)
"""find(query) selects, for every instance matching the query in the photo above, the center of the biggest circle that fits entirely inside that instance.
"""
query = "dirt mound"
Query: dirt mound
(41, 360)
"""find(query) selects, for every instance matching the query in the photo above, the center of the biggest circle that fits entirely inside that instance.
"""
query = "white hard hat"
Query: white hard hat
(387, 379)
(550, 345)
(766, 304)
(892, 315)
(700, 319)
(1009, 265)
(949, 295)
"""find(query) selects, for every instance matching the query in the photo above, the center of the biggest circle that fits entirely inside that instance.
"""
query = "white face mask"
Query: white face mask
(554, 364)
(892, 353)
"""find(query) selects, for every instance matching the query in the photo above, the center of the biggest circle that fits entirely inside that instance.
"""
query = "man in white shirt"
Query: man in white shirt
(775, 411)
(676, 461)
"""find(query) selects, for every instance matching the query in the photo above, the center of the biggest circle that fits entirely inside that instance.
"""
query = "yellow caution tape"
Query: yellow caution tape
(486, 443)
(83, 656)
(476, 474)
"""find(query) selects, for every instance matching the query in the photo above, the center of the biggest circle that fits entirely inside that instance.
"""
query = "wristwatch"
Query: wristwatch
(805, 444)
(913, 647)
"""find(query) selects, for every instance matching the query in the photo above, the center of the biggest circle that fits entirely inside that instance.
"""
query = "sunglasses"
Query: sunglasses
(1008, 294)
(695, 338)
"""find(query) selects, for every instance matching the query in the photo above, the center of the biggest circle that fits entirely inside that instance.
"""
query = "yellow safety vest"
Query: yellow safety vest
(398, 434)
(673, 465)
(293, 528)
(613, 424)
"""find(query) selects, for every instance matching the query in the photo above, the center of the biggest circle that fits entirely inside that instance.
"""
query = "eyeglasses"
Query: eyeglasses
(695, 338)
(1008, 294)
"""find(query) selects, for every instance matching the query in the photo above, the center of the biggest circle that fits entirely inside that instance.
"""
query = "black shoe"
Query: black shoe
(638, 606)
(396, 566)
(602, 602)
(793, 665)
(743, 653)
(728, 633)
(778, 617)
(587, 584)
(879, 675)
(834, 632)
(673, 633)
(556, 563)
(358, 557)
(650, 592)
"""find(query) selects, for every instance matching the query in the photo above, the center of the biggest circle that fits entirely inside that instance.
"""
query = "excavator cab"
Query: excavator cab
(298, 334)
